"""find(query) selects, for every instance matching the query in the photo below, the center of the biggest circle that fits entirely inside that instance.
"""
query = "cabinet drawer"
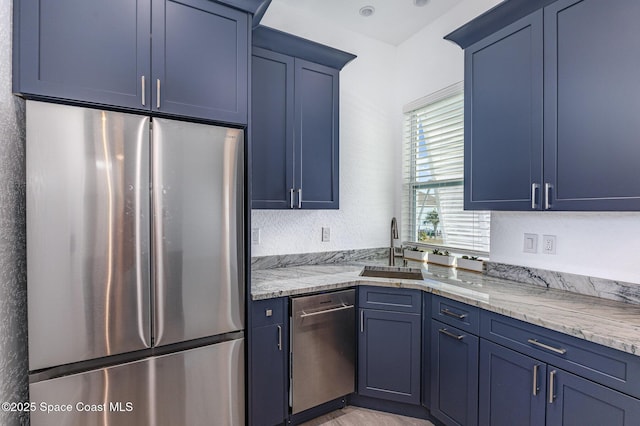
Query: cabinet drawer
(610, 367)
(268, 311)
(390, 299)
(457, 314)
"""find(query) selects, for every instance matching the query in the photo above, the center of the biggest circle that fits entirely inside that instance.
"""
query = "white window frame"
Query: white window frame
(448, 186)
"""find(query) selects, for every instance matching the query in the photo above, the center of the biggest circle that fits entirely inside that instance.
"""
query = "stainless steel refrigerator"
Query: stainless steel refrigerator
(135, 276)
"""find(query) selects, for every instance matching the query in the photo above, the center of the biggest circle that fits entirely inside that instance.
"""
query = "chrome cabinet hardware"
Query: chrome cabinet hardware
(552, 391)
(361, 320)
(299, 198)
(291, 198)
(560, 351)
(547, 203)
(143, 94)
(312, 314)
(453, 314)
(534, 188)
(536, 388)
(279, 338)
(450, 334)
(158, 93)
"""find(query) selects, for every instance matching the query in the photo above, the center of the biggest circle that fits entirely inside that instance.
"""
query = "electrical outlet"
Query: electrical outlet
(255, 236)
(549, 244)
(326, 234)
(530, 243)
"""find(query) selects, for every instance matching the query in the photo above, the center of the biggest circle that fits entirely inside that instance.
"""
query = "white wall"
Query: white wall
(367, 172)
(597, 244)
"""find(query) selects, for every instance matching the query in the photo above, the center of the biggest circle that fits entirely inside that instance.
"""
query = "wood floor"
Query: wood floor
(356, 416)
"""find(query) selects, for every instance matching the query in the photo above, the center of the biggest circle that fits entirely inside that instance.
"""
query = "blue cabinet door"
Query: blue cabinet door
(454, 375)
(85, 50)
(389, 356)
(200, 60)
(503, 118)
(272, 122)
(512, 387)
(268, 342)
(316, 135)
(574, 401)
(591, 103)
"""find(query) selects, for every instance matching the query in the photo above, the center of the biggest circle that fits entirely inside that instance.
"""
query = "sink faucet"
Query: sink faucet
(394, 235)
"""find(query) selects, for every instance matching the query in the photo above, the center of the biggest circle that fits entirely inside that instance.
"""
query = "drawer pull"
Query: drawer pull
(560, 351)
(450, 334)
(552, 391)
(327, 311)
(453, 314)
(536, 388)
(279, 338)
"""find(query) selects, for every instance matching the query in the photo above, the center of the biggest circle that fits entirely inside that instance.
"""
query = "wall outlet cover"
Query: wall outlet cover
(549, 244)
(326, 234)
(255, 236)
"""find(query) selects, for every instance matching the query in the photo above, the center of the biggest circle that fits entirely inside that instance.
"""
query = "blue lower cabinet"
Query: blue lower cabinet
(574, 401)
(512, 387)
(454, 375)
(269, 352)
(389, 355)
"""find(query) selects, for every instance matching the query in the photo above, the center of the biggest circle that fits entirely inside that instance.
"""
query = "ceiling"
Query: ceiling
(393, 22)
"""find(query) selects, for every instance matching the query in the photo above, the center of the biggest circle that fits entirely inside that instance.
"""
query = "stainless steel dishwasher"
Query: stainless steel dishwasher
(322, 348)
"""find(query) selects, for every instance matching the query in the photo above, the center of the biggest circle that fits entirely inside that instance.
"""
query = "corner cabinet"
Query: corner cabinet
(454, 362)
(549, 108)
(101, 53)
(269, 370)
(389, 344)
(295, 120)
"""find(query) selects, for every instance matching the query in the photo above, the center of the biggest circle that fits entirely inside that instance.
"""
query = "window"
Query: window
(434, 175)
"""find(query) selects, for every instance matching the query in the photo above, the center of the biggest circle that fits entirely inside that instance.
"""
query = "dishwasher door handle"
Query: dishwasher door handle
(340, 308)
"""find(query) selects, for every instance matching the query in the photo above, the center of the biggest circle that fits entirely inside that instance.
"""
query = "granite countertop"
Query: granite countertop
(610, 323)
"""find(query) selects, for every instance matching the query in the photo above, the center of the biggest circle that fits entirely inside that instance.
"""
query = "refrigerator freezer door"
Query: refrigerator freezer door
(202, 386)
(197, 234)
(87, 233)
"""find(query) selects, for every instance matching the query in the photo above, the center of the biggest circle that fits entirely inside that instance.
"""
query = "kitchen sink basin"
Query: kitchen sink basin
(392, 272)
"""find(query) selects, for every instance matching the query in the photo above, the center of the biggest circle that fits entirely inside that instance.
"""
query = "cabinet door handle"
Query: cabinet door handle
(299, 198)
(291, 198)
(453, 314)
(560, 351)
(535, 379)
(552, 391)
(450, 334)
(361, 320)
(158, 93)
(534, 188)
(547, 189)
(279, 338)
(143, 94)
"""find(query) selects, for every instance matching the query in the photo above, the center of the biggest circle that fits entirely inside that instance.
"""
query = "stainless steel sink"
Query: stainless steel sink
(392, 272)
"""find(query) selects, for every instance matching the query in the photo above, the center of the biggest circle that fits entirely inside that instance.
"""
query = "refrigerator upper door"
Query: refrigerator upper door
(197, 234)
(87, 233)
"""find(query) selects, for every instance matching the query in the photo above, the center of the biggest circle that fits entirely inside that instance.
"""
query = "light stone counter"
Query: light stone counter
(610, 323)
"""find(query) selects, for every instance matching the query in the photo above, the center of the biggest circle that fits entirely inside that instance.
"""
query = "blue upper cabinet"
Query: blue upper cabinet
(200, 60)
(551, 99)
(89, 51)
(503, 118)
(592, 99)
(272, 128)
(316, 134)
(196, 64)
(295, 114)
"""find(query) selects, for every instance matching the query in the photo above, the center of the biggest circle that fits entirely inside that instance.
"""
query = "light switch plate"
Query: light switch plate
(255, 236)
(530, 243)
